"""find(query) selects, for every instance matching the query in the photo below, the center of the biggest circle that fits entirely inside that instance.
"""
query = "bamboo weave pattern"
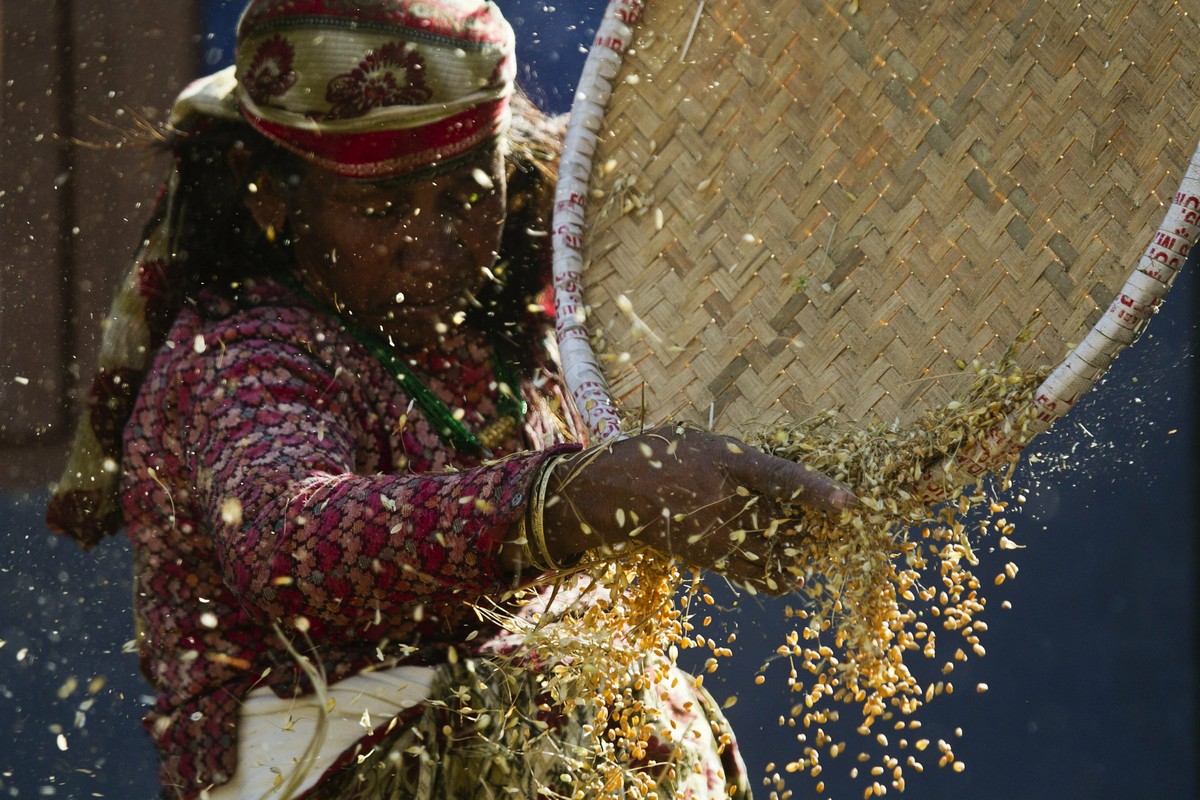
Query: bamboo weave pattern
(809, 206)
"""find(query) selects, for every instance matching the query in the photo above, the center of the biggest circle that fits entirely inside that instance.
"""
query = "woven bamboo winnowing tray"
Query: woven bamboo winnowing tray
(795, 207)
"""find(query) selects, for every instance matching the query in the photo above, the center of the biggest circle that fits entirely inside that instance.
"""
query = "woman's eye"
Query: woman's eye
(464, 201)
(381, 211)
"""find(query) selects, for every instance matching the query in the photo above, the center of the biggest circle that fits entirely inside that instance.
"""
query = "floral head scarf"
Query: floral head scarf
(370, 89)
(362, 88)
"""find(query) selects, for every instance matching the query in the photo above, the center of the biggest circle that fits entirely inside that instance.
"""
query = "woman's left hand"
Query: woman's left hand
(711, 500)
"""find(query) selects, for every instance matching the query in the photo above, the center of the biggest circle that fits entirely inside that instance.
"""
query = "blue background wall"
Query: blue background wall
(1092, 672)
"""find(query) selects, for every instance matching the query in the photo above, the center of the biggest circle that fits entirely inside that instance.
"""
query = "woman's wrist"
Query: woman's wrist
(540, 555)
(537, 542)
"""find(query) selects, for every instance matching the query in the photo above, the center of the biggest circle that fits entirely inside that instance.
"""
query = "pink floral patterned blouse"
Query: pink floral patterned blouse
(277, 478)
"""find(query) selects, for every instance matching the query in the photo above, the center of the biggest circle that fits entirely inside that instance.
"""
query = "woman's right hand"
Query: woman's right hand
(704, 498)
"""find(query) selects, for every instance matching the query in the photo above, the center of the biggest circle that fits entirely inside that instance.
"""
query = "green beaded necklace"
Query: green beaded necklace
(449, 427)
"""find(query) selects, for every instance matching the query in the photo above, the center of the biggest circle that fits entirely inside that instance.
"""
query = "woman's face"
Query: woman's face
(406, 256)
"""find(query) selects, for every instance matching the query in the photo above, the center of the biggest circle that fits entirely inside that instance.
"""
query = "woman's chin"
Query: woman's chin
(419, 324)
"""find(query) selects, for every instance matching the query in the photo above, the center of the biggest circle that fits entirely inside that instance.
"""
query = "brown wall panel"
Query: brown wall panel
(121, 77)
(78, 76)
(33, 206)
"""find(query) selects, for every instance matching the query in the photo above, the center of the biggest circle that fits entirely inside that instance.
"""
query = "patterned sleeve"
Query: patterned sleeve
(270, 437)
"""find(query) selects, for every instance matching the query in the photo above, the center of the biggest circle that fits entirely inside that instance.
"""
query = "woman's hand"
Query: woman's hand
(710, 500)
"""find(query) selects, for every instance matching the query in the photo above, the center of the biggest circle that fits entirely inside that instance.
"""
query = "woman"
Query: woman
(328, 389)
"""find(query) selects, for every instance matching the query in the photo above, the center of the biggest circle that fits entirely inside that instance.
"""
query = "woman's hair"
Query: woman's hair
(218, 244)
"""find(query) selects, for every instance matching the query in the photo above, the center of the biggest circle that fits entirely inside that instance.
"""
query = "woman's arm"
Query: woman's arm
(272, 437)
(704, 498)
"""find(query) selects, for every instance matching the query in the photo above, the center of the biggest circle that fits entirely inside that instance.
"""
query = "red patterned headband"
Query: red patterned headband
(376, 88)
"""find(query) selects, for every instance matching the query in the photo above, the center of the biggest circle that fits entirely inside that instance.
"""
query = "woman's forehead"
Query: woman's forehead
(463, 167)
(480, 167)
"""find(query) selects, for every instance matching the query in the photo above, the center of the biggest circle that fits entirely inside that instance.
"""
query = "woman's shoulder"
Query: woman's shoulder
(263, 320)
(252, 298)
(255, 309)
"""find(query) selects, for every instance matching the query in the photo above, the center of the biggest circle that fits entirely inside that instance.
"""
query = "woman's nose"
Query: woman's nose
(424, 242)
